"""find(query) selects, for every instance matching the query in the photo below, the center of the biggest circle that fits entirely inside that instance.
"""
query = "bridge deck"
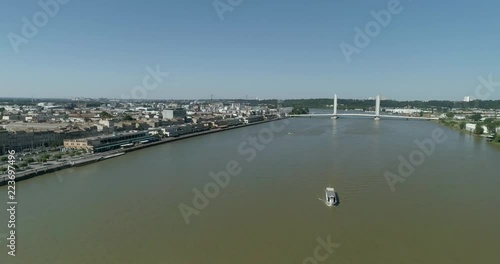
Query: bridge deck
(369, 115)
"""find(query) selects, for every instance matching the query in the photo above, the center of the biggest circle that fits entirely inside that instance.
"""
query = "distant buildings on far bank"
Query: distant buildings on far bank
(403, 111)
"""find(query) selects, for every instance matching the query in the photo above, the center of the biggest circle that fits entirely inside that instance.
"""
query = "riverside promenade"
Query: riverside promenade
(96, 157)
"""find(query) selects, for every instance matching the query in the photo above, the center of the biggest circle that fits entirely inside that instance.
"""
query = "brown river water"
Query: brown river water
(444, 206)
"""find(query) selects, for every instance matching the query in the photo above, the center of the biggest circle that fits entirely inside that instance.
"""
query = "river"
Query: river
(126, 209)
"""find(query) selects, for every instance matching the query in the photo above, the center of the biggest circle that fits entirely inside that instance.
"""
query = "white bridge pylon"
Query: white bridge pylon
(375, 116)
(377, 108)
(335, 116)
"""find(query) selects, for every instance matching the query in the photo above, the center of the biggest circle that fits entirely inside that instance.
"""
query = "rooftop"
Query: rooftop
(132, 132)
(34, 126)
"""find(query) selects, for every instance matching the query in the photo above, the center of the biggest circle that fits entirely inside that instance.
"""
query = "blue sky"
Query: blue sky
(265, 49)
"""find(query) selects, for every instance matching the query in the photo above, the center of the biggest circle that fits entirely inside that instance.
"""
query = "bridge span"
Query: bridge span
(376, 116)
(366, 115)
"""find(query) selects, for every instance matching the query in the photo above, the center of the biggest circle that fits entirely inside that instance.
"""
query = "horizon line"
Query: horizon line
(240, 99)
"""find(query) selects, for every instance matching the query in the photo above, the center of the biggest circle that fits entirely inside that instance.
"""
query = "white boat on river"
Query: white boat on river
(331, 197)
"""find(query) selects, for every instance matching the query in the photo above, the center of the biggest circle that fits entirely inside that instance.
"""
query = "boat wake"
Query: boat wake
(323, 201)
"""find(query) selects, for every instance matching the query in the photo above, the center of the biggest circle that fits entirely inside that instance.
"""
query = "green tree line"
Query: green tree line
(367, 104)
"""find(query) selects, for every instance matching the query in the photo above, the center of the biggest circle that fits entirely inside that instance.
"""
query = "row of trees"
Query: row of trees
(41, 158)
(21, 165)
(366, 104)
(300, 111)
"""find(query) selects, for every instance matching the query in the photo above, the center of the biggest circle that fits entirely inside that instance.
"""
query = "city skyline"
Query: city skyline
(245, 98)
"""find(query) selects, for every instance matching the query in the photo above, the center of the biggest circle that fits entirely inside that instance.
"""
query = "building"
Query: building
(4, 135)
(403, 111)
(12, 117)
(228, 122)
(169, 114)
(21, 140)
(109, 142)
(253, 119)
(472, 127)
(33, 126)
(110, 124)
(467, 99)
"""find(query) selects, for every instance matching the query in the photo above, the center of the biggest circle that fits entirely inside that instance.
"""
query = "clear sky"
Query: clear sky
(262, 48)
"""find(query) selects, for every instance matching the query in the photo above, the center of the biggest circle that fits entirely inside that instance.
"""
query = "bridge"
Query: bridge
(376, 116)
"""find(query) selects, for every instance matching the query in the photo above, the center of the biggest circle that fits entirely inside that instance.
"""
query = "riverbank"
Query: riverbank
(455, 125)
(96, 157)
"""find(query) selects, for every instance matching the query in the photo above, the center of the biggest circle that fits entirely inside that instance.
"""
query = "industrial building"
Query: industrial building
(253, 119)
(109, 142)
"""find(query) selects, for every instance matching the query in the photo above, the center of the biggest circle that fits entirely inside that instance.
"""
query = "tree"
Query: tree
(43, 158)
(4, 158)
(476, 117)
(105, 115)
(299, 111)
(492, 128)
(462, 125)
(128, 118)
(479, 129)
(497, 123)
(489, 120)
(30, 160)
(450, 115)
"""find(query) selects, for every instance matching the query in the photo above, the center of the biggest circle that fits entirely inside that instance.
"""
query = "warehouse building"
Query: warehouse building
(109, 142)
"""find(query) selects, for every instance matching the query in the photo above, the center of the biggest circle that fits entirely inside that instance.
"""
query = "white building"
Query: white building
(109, 124)
(403, 111)
(472, 127)
(169, 114)
(467, 99)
